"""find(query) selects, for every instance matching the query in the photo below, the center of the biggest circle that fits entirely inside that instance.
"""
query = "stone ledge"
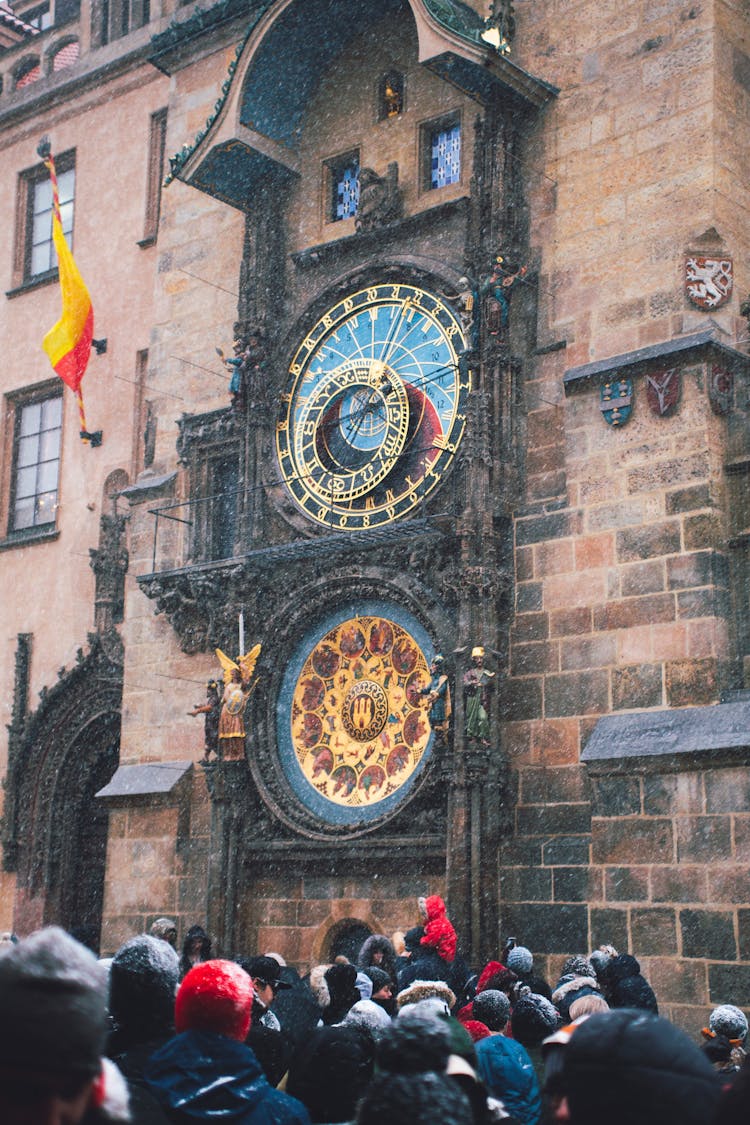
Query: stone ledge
(676, 739)
(617, 363)
(144, 779)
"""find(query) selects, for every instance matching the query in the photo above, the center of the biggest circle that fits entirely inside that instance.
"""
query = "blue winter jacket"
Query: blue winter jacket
(200, 1076)
(508, 1073)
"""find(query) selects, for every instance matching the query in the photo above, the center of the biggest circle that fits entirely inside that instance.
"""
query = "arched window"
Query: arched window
(65, 56)
(29, 71)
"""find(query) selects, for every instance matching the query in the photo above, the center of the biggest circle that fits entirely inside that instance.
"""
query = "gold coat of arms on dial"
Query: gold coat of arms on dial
(375, 407)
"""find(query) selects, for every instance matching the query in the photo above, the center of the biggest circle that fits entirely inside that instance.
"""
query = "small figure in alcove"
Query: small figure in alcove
(248, 358)
(477, 685)
(211, 709)
(497, 288)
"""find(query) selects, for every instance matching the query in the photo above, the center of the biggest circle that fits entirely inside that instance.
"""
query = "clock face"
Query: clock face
(375, 407)
(353, 731)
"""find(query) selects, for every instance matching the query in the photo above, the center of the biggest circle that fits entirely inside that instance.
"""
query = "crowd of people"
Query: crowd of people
(407, 1035)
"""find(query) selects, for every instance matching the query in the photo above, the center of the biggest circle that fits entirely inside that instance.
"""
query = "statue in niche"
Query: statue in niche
(379, 198)
(438, 699)
(497, 289)
(211, 709)
(247, 361)
(239, 685)
(477, 685)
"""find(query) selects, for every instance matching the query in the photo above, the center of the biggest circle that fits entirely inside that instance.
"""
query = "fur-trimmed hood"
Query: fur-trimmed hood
(319, 985)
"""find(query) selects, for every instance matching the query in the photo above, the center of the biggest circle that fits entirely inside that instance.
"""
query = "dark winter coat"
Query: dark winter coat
(200, 1076)
(573, 988)
(425, 964)
(507, 1071)
(626, 988)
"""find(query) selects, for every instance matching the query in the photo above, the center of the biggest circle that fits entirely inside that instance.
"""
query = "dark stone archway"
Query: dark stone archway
(54, 833)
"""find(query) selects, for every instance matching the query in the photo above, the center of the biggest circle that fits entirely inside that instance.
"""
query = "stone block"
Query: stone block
(742, 838)
(743, 927)
(626, 884)
(528, 597)
(649, 541)
(728, 790)
(703, 839)
(555, 742)
(553, 820)
(617, 795)
(524, 564)
(653, 931)
(704, 602)
(642, 578)
(729, 984)
(520, 699)
(688, 499)
(567, 850)
(521, 851)
(570, 622)
(278, 912)
(628, 612)
(637, 686)
(699, 568)
(702, 531)
(534, 658)
(554, 558)
(667, 794)
(708, 934)
(676, 981)
(539, 529)
(679, 884)
(577, 884)
(626, 841)
(530, 627)
(552, 928)
(588, 652)
(576, 693)
(609, 927)
(526, 884)
(594, 551)
(566, 783)
(690, 683)
(624, 514)
(570, 590)
(728, 883)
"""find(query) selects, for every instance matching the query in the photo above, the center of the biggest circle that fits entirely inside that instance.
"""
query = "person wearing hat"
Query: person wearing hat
(438, 698)
(264, 972)
(52, 1035)
(476, 683)
(206, 1072)
(166, 930)
(725, 1037)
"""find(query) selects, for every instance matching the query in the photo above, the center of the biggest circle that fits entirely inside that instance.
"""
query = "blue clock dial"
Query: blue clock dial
(375, 407)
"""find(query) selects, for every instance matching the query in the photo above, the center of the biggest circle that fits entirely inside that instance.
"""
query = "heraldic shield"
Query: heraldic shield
(663, 391)
(708, 281)
(720, 389)
(616, 402)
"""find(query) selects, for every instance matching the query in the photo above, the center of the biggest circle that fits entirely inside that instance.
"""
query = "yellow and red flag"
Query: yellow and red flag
(68, 342)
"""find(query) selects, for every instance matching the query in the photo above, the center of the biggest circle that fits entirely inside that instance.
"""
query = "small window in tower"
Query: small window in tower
(343, 180)
(391, 95)
(442, 152)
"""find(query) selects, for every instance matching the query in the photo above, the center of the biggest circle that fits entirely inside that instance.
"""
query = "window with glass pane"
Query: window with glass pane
(345, 187)
(36, 465)
(445, 155)
(41, 251)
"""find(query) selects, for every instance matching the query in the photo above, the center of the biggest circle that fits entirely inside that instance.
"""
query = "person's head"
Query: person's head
(382, 985)
(332, 1071)
(215, 996)
(437, 663)
(196, 946)
(477, 656)
(534, 1018)
(729, 1021)
(629, 1067)
(519, 960)
(166, 930)
(53, 1030)
(414, 1099)
(143, 980)
(492, 1008)
(588, 1005)
(264, 973)
(236, 676)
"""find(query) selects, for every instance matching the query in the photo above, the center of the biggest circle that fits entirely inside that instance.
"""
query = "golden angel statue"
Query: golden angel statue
(239, 685)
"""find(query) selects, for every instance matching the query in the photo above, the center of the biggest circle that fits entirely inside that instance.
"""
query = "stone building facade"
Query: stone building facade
(559, 477)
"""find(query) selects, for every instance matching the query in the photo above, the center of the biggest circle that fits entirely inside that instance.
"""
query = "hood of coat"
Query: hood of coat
(206, 1076)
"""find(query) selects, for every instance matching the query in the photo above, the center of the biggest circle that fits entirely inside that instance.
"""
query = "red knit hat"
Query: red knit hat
(215, 996)
(476, 1029)
(438, 931)
(488, 971)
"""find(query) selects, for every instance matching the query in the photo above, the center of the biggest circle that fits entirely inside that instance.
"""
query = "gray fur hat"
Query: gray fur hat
(729, 1021)
(519, 960)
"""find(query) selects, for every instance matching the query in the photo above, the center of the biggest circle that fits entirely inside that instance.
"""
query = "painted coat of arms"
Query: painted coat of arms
(616, 402)
(708, 281)
(663, 391)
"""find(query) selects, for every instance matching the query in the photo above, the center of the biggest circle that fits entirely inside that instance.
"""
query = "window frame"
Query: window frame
(15, 403)
(332, 167)
(427, 130)
(157, 149)
(28, 180)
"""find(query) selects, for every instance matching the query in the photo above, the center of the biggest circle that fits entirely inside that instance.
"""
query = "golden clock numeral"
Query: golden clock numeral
(373, 314)
(323, 513)
(451, 330)
(343, 520)
(365, 520)
(372, 294)
(348, 304)
(294, 370)
(390, 511)
(328, 321)
(396, 291)
(369, 502)
(281, 426)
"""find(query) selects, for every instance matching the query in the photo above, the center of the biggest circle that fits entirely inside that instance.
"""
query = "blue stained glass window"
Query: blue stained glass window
(345, 189)
(445, 156)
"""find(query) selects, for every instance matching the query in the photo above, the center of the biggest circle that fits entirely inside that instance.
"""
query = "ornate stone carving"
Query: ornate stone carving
(109, 562)
(379, 198)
